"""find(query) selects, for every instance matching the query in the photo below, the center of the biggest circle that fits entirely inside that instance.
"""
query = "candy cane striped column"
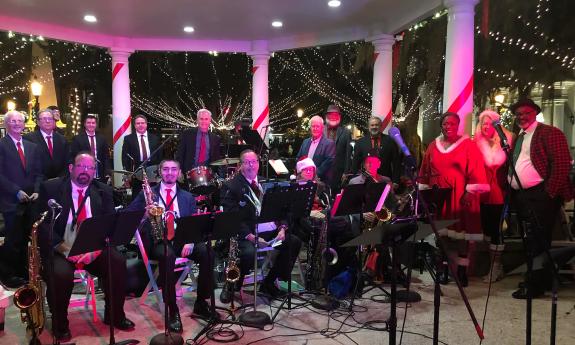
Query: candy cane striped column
(382, 79)
(260, 105)
(458, 82)
(121, 118)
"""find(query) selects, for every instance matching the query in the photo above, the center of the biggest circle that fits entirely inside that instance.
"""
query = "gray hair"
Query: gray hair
(316, 118)
(374, 118)
(12, 113)
(44, 111)
(203, 111)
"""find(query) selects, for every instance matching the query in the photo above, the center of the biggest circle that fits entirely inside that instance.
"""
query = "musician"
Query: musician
(235, 196)
(342, 137)
(320, 149)
(91, 141)
(20, 178)
(52, 145)
(138, 147)
(81, 197)
(197, 146)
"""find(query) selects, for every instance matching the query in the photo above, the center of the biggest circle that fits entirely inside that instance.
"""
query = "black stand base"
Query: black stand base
(325, 302)
(408, 296)
(256, 319)
(167, 339)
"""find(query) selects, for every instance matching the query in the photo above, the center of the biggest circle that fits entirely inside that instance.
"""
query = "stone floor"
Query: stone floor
(505, 322)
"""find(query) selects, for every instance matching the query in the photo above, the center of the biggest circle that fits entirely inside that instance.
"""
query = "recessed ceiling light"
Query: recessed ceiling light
(90, 18)
(277, 24)
(334, 3)
(189, 29)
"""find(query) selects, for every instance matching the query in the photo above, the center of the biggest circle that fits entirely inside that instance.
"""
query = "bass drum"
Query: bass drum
(201, 181)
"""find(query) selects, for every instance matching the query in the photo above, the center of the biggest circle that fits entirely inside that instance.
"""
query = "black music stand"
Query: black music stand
(107, 231)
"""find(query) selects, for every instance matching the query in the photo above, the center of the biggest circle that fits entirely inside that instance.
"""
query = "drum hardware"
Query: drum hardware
(152, 174)
(201, 180)
(225, 161)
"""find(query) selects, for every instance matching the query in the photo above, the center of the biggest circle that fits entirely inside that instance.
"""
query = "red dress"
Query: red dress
(459, 167)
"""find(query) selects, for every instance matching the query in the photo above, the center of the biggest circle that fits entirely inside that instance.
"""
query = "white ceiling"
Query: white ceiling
(305, 22)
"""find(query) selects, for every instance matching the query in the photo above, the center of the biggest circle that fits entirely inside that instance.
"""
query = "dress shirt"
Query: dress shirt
(45, 135)
(313, 147)
(70, 233)
(268, 226)
(198, 144)
(16, 141)
(528, 176)
(95, 145)
(146, 142)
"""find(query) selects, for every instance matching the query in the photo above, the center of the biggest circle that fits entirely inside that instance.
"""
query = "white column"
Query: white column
(381, 98)
(121, 117)
(458, 82)
(260, 102)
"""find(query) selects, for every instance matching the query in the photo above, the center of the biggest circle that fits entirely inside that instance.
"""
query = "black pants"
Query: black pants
(199, 255)
(64, 283)
(13, 253)
(546, 211)
(490, 220)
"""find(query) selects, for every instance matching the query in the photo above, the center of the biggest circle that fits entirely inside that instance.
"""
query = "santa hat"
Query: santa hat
(303, 164)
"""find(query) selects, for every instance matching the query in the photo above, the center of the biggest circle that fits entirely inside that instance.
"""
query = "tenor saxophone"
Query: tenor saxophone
(30, 297)
(232, 270)
(155, 213)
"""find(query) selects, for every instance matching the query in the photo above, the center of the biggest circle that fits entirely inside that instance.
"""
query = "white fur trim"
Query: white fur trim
(423, 186)
(477, 188)
(492, 153)
(450, 148)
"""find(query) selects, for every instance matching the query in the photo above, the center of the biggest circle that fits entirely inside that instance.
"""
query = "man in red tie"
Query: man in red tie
(89, 140)
(20, 178)
(81, 197)
(53, 146)
(176, 203)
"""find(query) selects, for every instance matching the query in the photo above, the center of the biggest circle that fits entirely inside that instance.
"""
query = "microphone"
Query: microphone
(497, 125)
(54, 204)
(396, 136)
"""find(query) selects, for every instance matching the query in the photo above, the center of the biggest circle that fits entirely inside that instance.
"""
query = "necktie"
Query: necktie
(21, 154)
(143, 148)
(170, 215)
(81, 215)
(374, 142)
(256, 189)
(202, 154)
(50, 147)
(92, 145)
(517, 150)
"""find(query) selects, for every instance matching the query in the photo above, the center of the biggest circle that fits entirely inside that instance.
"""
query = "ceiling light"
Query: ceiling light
(90, 18)
(277, 24)
(334, 3)
(189, 29)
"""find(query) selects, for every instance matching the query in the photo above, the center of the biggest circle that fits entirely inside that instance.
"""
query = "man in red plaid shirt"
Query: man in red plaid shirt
(542, 160)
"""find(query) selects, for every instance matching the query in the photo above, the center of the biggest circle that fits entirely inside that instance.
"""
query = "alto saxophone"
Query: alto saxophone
(155, 213)
(30, 297)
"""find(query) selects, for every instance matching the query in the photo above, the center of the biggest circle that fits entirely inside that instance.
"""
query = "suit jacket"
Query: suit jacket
(323, 157)
(342, 163)
(552, 160)
(233, 198)
(55, 165)
(131, 147)
(60, 189)
(13, 176)
(186, 153)
(388, 153)
(81, 142)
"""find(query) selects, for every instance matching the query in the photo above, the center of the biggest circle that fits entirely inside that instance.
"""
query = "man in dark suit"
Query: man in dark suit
(182, 203)
(20, 178)
(388, 151)
(244, 193)
(137, 148)
(342, 137)
(81, 197)
(197, 146)
(52, 146)
(542, 160)
(320, 149)
(90, 141)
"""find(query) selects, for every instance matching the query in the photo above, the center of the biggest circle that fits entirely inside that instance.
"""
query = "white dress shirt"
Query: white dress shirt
(70, 233)
(145, 143)
(313, 147)
(528, 176)
(16, 144)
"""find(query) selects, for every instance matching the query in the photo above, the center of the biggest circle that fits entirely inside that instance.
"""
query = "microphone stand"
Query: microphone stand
(147, 160)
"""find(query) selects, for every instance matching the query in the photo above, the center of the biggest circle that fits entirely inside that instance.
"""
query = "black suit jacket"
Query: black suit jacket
(60, 189)
(233, 198)
(388, 153)
(131, 147)
(323, 157)
(56, 165)
(81, 142)
(342, 163)
(13, 176)
(186, 153)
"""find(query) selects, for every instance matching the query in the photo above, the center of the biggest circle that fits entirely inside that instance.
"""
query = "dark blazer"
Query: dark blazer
(388, 153)
(233, 198)
(60, 189)
(13, 177)
(131, 147)
(323, 157)
(55, 165)
(186, 153)
(342, 163)
(81, 142)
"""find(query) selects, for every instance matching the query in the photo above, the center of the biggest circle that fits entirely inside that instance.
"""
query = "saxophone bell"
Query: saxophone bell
(330, 256)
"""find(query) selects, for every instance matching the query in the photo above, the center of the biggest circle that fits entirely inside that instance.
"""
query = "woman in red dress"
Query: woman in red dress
(453, 161)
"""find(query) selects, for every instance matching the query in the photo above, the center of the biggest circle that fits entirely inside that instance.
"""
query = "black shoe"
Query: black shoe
(227, 293)
(521, 293)
(202, 308)
(175, 322)
(13, 282)
(63, 336)
(462, 275)
(124, 325)
(271, 290)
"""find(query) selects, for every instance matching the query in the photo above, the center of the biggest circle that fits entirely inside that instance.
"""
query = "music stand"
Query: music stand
(106, 231)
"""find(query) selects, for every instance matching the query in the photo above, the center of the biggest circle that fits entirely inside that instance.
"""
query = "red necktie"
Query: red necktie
(202, 154)
(170, 215)
(143, 148)
(92, 146)
(50, 147)
(81, 215)
(256, 189)
(21, 154)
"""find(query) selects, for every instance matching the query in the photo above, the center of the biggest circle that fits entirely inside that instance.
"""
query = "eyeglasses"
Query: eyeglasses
(255, 162)
(525, 113)
(85, 167)
(46, 119)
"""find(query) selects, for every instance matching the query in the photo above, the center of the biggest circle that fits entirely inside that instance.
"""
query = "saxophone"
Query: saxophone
(30, 297)
(155, 213)
(232, 270)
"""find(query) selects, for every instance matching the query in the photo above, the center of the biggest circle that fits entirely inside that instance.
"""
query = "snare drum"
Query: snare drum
(201, 180)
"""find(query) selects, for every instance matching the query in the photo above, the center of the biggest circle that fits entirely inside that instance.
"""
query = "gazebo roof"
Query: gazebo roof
(222, 25)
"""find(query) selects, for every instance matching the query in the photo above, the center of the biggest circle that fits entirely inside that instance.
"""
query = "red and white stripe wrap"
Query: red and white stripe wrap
(260, 105)
(382, 79)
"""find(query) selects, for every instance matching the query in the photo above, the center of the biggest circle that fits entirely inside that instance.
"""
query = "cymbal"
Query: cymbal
(225, 161)
(122, 172)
